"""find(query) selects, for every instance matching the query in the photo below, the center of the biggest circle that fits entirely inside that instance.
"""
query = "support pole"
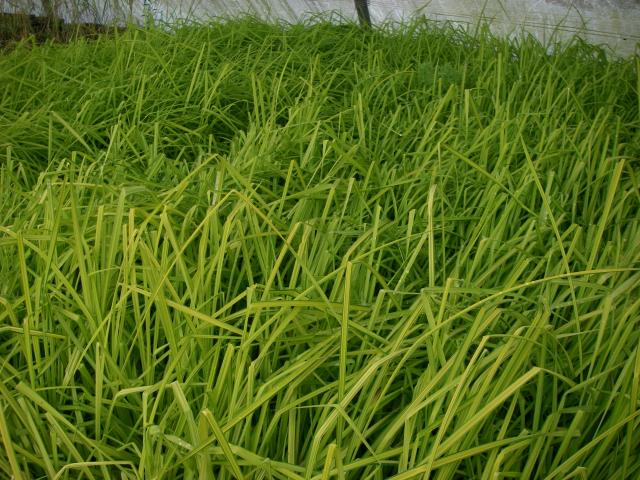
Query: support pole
(362, 8)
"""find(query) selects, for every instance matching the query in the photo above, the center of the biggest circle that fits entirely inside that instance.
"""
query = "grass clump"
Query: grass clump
(311, 252)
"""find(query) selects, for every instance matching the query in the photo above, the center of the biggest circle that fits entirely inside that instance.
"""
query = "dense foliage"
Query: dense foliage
(311, 252)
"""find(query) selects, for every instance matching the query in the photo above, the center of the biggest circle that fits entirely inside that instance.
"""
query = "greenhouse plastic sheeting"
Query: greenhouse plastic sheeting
(615, 23)
(612, 22)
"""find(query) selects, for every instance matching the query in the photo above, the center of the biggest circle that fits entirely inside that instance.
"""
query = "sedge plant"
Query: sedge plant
(240, 250)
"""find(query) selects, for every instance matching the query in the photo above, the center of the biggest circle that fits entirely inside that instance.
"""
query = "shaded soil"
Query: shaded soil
(17, 27)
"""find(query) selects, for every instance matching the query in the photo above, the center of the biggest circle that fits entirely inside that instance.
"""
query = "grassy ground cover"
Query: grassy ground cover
(248, 251)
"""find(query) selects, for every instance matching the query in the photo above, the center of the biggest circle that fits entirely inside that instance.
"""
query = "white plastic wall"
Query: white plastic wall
(615, 23)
